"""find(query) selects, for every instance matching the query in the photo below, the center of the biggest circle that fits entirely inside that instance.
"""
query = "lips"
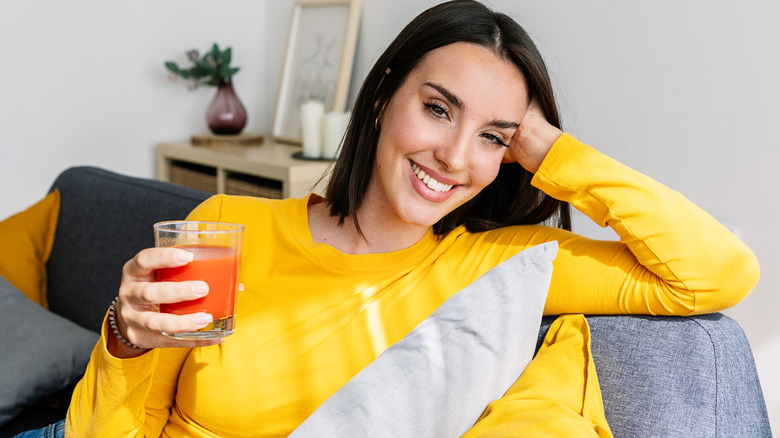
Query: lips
(430, 181)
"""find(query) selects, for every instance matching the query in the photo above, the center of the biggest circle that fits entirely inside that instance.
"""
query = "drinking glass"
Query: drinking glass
(216, 247)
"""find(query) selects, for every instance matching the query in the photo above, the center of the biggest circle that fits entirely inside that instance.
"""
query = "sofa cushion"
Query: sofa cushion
(41, 352)
(25, 244)
(440, 377)
(105, 219)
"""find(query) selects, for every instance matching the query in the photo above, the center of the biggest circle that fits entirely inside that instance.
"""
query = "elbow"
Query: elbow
(736, 280)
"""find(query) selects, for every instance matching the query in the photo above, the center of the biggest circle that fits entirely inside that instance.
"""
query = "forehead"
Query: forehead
(471, 71)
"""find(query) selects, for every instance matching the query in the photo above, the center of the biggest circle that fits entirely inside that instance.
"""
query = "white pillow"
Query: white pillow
(438, 380)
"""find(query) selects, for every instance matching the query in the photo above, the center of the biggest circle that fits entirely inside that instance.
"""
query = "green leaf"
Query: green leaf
(227, 56)
(205, 67)
(213, 68)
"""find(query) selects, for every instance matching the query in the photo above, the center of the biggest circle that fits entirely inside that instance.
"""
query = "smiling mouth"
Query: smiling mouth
(430, 181)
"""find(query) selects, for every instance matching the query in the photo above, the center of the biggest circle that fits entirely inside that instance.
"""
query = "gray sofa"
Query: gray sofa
(659, 376)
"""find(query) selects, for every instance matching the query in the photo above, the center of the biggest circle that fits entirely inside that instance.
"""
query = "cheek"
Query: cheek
(485, 169)
(405, 132)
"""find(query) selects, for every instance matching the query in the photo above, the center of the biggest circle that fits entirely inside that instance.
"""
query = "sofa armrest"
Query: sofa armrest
(677, 376)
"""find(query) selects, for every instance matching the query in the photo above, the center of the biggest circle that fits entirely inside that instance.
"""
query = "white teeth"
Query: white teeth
(429, 180)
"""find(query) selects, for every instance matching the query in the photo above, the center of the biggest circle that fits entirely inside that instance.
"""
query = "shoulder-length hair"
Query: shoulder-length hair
(509, 199)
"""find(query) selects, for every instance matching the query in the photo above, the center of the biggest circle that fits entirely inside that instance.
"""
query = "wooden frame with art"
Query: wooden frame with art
(317, 62)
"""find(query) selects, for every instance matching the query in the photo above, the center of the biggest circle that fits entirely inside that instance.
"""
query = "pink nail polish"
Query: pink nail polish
(202, 319)
(200, 288)
(183, 256)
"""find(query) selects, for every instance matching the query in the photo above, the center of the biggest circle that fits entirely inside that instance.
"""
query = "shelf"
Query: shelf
(267, 170)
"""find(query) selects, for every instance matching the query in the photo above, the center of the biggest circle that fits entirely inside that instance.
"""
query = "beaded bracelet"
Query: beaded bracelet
(115, 327)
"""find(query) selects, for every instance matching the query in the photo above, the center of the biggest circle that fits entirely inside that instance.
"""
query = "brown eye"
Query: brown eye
(437, 110)
(493, 139)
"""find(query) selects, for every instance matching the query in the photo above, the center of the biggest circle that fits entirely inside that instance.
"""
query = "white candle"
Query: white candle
(334, 126)
(311, 124)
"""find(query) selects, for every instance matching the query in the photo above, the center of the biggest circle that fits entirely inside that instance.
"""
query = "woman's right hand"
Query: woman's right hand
(137, 309)
(532, 140)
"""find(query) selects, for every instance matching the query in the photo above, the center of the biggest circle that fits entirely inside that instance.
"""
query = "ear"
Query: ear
(379, 112)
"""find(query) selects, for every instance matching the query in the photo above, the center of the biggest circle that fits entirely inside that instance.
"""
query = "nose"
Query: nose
(453, 152)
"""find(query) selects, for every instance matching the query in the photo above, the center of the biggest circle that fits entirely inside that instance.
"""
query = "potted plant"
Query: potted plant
(226, 114)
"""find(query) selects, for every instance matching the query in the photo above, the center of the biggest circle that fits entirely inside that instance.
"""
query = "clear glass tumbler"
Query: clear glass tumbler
(217, 248)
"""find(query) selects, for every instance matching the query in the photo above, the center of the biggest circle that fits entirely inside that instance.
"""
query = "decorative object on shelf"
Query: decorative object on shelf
(299, 156)
(226, 114)
(317, 62)
(322, 133)
(245, 139)
(311, 125)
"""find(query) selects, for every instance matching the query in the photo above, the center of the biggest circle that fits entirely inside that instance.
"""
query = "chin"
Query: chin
(427, 219)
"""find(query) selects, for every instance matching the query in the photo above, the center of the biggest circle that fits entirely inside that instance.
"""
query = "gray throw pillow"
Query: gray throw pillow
(438, 380)
(40, 352)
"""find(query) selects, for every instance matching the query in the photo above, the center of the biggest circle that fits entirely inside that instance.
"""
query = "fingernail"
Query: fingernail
(183, 256)
(200, 288)
(202, 319)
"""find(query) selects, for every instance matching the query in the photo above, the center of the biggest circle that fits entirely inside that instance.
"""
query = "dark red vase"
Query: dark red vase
(226, 115)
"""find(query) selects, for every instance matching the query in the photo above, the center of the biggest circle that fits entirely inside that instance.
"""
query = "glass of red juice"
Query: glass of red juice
(216, 247)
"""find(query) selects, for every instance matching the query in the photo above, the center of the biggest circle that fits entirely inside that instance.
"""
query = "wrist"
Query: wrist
(534, 142)
(116, 342)
(539, 147)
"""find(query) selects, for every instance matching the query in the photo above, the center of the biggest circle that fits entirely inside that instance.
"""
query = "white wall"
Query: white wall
(83, 82)
(686, 92)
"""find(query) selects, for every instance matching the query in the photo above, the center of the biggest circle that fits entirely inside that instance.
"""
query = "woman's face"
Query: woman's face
(443, 134)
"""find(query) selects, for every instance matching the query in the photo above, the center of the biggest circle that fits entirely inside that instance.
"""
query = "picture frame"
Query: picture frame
(317, 63)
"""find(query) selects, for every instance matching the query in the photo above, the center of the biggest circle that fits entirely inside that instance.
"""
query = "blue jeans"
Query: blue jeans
(56, 430)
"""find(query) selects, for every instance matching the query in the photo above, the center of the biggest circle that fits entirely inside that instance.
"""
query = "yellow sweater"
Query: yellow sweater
(310, 317)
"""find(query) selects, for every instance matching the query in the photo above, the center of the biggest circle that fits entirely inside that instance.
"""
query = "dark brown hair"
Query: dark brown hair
(509, 199)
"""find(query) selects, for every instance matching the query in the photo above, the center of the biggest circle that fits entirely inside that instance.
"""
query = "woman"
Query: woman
(452, 160)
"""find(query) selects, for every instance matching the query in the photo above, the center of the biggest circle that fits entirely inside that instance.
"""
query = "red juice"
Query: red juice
(218, 267)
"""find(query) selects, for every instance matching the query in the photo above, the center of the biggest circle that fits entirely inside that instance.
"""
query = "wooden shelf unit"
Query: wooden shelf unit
(266, 170)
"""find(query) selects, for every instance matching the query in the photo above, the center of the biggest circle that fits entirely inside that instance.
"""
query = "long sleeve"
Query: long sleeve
(124, 397)
(672, 258)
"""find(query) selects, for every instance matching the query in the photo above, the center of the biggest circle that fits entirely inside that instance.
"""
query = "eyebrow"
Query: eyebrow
(447, 94)
(503, 124)
(453, 99)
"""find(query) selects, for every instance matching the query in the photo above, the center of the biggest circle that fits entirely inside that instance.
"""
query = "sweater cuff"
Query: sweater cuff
(557, 152)
(143, 363)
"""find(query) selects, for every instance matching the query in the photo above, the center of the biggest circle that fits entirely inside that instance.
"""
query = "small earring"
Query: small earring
(376, 123)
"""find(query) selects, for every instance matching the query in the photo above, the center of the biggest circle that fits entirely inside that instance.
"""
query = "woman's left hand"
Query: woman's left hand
(532, 140)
